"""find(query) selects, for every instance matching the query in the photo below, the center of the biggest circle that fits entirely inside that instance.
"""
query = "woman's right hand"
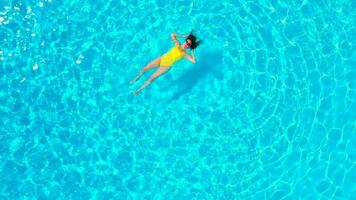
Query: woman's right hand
(174, 38)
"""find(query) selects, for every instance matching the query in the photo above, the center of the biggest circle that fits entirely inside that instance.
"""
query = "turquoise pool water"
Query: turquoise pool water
(267, 112)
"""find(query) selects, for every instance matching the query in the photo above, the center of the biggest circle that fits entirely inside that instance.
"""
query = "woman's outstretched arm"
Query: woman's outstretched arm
(174, 38)
(191, 58)
(178, 35)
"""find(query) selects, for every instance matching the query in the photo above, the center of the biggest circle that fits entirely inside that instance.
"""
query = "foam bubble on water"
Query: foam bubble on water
(42, 43)
(16, 8)
(33, 34)
(22, 80)
(29, 9)
(41, 4)
(284, 20)
(79, 59)
(35, 67)
(5, 20)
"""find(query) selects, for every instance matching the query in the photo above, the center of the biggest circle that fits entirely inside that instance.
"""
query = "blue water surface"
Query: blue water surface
(267, 112)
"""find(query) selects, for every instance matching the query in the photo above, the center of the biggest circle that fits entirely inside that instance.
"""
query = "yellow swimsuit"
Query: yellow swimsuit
(173, 55)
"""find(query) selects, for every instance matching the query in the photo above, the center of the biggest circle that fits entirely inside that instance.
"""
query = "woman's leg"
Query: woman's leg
(158, 73)
(150, 65)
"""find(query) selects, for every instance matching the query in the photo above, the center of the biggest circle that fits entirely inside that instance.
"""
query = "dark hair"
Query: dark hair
(194, 40)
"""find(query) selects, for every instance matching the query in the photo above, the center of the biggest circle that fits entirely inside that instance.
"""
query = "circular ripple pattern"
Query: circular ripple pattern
(267, 112)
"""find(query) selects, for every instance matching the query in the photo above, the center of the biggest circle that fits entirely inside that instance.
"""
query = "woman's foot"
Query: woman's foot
(134, 92)
(132, 81)
(137, 77)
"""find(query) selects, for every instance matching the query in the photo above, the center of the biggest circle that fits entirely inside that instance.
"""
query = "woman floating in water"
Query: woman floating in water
(166, 61)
